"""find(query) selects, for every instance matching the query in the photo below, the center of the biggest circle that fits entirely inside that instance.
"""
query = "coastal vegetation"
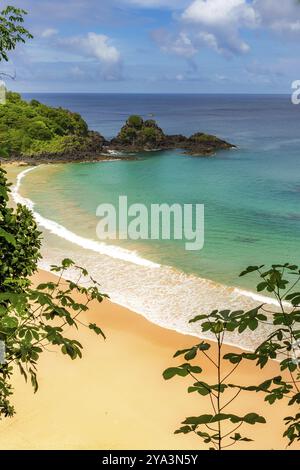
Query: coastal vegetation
(139, 133)
(33, 132)
(32, 319)
(12, 30)
(30, 129)
(219, 428)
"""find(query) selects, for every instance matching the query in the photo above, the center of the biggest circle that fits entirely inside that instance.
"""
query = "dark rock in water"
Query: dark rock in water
(205, 144)
(138, 135)
(88, 149)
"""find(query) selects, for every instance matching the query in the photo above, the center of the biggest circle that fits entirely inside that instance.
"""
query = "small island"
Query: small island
(138, 135)
(33, 133)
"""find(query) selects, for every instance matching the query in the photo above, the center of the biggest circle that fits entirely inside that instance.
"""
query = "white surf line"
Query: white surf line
(104, 249)
(61, 231)
(264, 299)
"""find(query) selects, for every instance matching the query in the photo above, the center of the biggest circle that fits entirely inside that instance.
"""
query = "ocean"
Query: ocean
(251, 198)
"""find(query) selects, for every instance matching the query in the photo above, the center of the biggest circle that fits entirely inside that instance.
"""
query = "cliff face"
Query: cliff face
(138, 135)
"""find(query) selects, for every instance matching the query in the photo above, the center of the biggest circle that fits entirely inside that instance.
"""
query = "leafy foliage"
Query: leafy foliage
(140, 133)
(214, 429)
(34, 128)
(135, 121)
(282, 344)
(34, 318)
(12, 30)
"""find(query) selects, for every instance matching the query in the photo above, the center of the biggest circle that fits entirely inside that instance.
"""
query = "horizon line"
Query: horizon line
(145, 93)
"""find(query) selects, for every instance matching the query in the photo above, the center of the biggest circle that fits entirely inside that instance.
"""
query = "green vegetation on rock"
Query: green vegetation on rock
(203, 138)
(34, 128)
(135, 121)
(140, 134)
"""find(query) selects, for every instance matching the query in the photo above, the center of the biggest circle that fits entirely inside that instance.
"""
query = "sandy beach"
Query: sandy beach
(149, 157)
(115, 396)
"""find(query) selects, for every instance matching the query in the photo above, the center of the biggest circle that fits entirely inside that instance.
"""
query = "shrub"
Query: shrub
(25, 126)
(135, 121)
(281, 345)
(38, 130)
(33, 319)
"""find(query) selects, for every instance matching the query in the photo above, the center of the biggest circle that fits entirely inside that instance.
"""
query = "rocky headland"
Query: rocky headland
(33, 133)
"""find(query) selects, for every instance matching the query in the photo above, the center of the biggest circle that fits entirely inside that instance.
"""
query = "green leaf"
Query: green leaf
(196, 420)
(204, 346)
(9, 322)
(8, 237)
(221, 417)
(201, 388)
(233, 358)
(251, 269)
(184, 430)
(97, 330)
(262, 286)
(198, 318)
(238, 437)
(253, 418)
(182, 371)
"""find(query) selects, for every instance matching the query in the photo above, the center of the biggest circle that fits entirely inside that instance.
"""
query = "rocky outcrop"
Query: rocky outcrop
(138, 135)
(92, 148)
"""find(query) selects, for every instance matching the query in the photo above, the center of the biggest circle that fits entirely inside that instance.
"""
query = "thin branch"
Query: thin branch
(232, 399)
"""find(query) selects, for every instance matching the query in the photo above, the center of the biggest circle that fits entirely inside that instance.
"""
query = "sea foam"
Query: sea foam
(162, 294)
(61, 231)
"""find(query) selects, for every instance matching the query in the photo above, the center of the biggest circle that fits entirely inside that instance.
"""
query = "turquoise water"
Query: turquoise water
(251, 207)
(251, 194)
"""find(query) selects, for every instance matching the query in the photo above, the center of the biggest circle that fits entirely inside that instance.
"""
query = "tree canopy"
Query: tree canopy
(34, 128)
(12, 30)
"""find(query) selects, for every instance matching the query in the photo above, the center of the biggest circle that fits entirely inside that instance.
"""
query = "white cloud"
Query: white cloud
(219, 23)
(107, 58)
(226, 42)
(94, 45)
(282, 17)
(210, 40)
(221, 13)
(49, 32)
(180, 45)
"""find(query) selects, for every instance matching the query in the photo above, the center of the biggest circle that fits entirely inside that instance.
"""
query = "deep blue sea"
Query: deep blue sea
(251, 197)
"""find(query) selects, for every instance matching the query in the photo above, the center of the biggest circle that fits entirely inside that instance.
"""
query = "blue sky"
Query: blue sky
(149, 46)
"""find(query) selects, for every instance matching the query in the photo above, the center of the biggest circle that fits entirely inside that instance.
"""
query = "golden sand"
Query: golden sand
(115, 397)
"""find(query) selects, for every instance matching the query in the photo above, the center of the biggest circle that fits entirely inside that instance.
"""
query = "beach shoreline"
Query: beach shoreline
(224, 295)
(64, 159)
(115, 396)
